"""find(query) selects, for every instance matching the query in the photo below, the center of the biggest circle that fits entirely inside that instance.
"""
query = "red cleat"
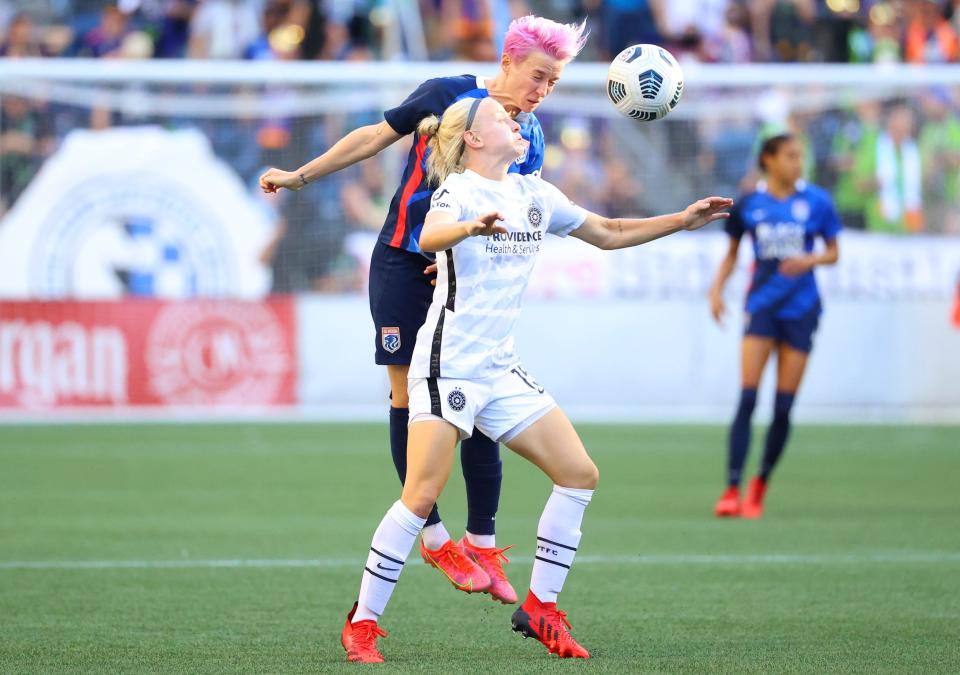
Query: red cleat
(491, 561)
(359, 639)
(728, 506)
(753, 503)
(548, 625)
(457, 567)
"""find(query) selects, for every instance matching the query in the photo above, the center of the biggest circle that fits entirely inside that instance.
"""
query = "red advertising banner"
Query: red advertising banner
(147, 353)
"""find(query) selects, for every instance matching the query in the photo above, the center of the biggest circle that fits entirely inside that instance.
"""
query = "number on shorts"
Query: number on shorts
(529, 381)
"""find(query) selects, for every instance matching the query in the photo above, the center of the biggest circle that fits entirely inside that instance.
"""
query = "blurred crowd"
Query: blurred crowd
(892, 164)
(725, 31)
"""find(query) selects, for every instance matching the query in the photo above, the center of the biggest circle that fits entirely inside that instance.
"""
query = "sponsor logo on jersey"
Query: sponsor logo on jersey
(390, 338)
(438, 199)
(457, 400)
(534, 215)
(517, 237)
(779, 240)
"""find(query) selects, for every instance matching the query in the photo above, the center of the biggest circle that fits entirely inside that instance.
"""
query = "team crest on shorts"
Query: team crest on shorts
(534, 215)
(390, 338)
(457, 400)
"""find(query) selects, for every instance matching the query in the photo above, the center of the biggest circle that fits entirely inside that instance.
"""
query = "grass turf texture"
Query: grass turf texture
(865, 521)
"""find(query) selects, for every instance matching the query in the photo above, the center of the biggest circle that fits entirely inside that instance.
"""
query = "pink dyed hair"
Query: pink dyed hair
(557, 40)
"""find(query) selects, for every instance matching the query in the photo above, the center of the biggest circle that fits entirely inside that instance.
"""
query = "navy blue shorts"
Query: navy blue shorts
(400, 295)
(798, 333)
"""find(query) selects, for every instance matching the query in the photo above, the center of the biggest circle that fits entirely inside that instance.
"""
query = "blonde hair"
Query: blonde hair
(445, 140)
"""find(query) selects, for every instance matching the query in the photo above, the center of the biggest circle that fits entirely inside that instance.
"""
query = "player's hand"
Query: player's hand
(717, 307)
(274, 179)
(705, 211)
(486, 225)
(794, 267)
(431, 269)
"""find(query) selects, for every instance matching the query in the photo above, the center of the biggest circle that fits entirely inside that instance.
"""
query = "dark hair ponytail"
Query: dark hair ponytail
(771, 147)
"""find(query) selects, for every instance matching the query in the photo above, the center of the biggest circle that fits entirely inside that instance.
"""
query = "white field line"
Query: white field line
(878, 557)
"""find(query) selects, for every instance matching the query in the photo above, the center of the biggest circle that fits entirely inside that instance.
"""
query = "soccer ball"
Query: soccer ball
(645, 82)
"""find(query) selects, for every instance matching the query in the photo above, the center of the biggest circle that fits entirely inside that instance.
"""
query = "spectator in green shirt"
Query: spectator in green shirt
(891, 172)
(856, 136)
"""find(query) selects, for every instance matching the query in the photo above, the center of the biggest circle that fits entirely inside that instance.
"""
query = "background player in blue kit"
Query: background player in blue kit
(783, 217)
(534, 54)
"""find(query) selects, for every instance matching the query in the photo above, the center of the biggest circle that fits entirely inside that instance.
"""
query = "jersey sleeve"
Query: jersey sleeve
(733, 225)
(423, 102)
(830, 225)
(447, 199)
(565, 216)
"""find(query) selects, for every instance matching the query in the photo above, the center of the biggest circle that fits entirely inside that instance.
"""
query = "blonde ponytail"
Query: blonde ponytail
(445, 140)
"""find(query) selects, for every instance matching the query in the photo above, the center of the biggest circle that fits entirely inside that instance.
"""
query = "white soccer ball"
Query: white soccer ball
(645, 82)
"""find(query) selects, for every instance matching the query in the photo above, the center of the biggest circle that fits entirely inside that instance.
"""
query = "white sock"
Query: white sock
(435, 536)
(558, 537)
(388, 552)
(482, 540)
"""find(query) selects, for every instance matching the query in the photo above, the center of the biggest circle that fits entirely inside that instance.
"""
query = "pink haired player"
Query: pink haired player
(535, 52)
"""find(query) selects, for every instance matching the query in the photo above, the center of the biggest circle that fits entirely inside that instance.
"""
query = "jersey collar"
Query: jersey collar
(799, 186)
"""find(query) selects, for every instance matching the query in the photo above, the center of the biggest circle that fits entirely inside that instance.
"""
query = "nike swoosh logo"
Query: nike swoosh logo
(388, 569)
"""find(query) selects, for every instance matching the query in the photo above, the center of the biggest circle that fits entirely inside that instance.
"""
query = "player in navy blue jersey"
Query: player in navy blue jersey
(535, 52)
(783, 217)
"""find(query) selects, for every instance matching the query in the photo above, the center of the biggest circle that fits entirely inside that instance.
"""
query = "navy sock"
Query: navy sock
(398, 448)
(482, 474)
(739, 443)
(777, 433)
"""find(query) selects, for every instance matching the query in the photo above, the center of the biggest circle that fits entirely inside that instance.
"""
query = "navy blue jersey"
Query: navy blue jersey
(783, 229)
(410, 203)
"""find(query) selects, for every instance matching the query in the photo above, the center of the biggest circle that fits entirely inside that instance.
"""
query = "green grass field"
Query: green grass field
(110, 537)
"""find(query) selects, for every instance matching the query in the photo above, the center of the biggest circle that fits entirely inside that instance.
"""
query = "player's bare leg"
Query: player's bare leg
(438, 549)
(434, 535)
(429, 462)
(791, 365)
(754, 353)
(399, 397)
(552, 444)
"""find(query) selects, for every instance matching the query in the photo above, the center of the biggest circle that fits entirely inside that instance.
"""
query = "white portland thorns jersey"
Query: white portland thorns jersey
(468, 332)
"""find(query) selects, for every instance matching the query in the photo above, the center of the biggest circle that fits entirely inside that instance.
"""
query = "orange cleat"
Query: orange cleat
(728, 506)
(548, 625)
(457, 567)
(753, 503)
(491, 561)
(359, 639)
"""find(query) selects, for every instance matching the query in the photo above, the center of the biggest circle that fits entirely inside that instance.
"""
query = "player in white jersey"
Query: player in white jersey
(486, 227)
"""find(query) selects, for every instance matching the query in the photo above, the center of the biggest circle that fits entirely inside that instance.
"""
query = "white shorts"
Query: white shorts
(501, 406)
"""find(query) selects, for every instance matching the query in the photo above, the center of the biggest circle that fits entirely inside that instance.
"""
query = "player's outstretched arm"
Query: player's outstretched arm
(611, 233)
(442, 231)
(356, 146)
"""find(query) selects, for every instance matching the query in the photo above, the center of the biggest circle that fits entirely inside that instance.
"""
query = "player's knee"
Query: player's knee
(584, 477)
(420, 497)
